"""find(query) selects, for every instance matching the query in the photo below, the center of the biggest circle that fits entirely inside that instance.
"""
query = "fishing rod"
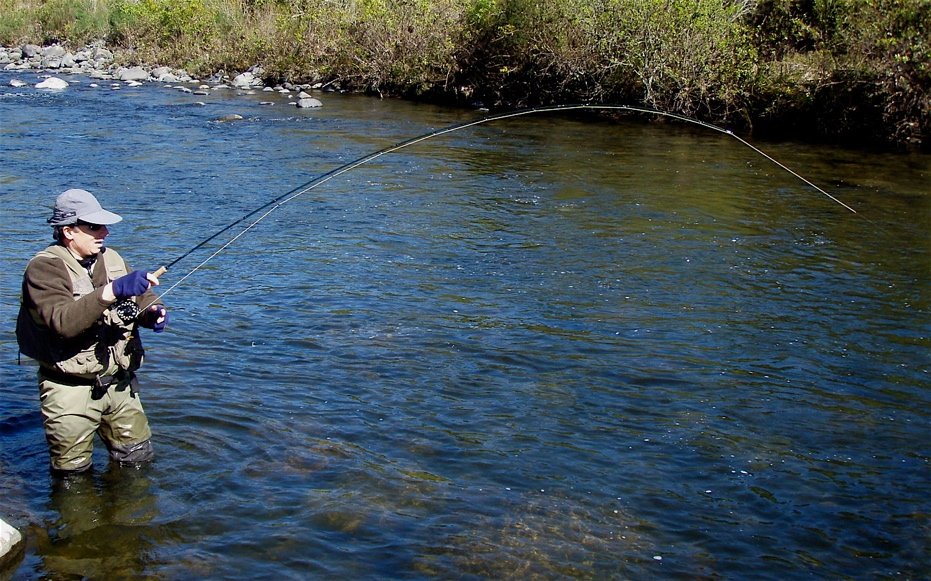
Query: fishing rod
(264, 210)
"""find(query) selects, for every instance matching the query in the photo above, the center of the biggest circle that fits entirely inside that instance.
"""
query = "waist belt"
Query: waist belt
(101, 383)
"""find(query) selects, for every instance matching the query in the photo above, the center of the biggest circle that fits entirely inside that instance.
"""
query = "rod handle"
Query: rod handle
(158, 273)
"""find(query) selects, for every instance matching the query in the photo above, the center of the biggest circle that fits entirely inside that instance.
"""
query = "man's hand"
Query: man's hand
(155, 318)
(132, 285)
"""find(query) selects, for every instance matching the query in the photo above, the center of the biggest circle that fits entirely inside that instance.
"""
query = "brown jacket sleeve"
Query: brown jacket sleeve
(47, 287)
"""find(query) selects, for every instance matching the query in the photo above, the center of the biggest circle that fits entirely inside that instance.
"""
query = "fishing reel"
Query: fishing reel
(127, 310)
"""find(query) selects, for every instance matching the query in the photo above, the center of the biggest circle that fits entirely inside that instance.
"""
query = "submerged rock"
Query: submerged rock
(308, 103)
(11, 543)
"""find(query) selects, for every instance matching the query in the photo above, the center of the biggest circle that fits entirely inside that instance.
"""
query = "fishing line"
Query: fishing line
(266, 209)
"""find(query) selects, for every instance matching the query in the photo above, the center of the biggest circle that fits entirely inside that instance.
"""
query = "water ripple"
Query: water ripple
(539, 348)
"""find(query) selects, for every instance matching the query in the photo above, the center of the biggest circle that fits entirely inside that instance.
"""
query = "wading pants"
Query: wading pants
(71, 417)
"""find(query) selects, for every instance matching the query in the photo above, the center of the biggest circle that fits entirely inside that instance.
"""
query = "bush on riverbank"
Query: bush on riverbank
(806, 68)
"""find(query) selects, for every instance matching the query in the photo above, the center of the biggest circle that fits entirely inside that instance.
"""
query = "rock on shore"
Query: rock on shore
(55, 57)
(98, 62)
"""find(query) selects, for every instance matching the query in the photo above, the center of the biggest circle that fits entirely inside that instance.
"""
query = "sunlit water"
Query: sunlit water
(546, 347)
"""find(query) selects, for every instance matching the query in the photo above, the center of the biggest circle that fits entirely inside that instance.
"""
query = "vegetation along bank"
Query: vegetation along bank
(856, 71)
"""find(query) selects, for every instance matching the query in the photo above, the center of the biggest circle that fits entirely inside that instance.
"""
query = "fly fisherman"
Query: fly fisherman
(79, 319)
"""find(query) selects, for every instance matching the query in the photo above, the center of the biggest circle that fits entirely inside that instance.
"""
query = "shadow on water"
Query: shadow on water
(539, 348)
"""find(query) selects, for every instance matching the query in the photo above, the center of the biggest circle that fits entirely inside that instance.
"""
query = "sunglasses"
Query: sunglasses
(89, 226)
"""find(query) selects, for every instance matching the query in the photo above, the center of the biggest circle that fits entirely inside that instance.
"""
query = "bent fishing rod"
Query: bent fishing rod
(269, 207)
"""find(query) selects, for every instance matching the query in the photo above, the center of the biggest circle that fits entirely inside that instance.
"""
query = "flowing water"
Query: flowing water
(543, 347)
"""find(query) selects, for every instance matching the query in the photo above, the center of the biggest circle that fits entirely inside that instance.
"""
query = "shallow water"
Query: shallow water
(545, 347)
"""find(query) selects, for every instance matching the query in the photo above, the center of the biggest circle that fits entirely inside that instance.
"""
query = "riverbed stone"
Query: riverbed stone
(245, 80)
(52, 62)
(165, 75)
(54, 51)
(131, 74)
(53, 83)
(308, 103)
(96, 62)
(102, 54)
(11, 542)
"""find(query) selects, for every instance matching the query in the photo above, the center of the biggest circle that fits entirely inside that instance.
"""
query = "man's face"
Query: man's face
(84, 239)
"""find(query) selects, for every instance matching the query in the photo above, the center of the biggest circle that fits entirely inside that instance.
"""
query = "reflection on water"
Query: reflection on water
(546, 347)
(101, 525)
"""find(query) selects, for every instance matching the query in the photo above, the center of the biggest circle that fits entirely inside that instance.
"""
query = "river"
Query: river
(543, 347)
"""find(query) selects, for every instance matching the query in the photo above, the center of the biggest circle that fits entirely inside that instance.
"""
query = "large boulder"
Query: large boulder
(53, 83)
(50, 62)
(131, 74)
(309, 103)
(102, 55)
(246, 80)
(54, 52)
(31, 50)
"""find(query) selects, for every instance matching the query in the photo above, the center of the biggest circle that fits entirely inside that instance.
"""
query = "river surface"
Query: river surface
(543, 347)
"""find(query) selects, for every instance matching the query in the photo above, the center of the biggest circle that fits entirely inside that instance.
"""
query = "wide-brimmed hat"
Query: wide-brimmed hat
(73, 205)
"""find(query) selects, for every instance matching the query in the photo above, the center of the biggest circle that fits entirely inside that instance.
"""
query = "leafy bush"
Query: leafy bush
(52, 21)
(840, 67)
(18, 24)
(689, 56)
(847, 67)
(888, 43)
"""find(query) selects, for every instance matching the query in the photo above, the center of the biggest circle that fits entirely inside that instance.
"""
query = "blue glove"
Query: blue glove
(131, 285)
(152, 316)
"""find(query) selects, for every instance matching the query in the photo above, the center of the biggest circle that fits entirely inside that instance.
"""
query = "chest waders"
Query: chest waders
(76, 374)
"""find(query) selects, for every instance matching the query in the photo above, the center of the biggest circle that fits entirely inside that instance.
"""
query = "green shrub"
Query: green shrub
(842, 67)
(74, 22)
(847, 67)
(888, 44)
(18, 23)
(689, 56)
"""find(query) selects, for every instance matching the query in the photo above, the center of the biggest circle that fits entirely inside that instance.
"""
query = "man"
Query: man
(79, 319)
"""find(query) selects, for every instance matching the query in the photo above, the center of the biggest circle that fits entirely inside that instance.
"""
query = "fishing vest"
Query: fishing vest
(103, 349)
